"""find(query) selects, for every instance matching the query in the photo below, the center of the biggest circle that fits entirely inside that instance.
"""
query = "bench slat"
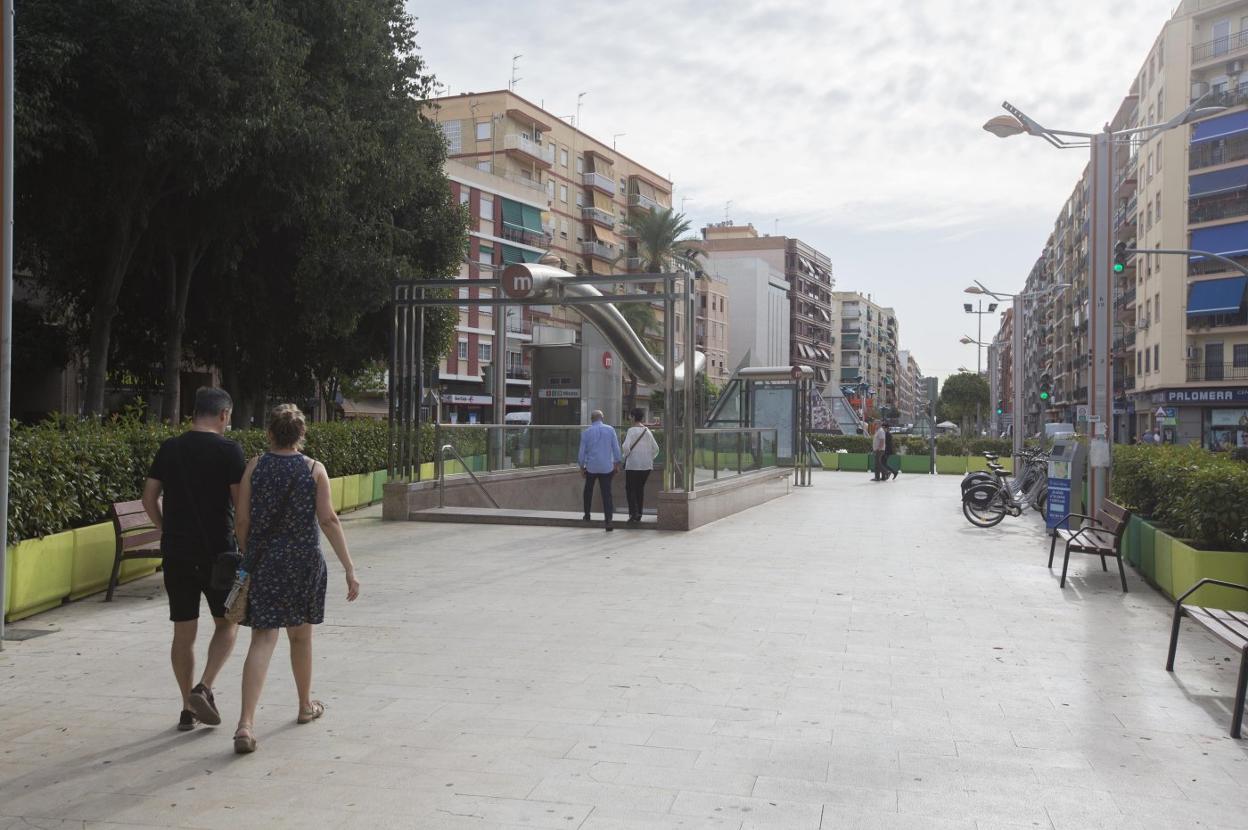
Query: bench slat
(132, 521)
(140, 540)
(1222, 624)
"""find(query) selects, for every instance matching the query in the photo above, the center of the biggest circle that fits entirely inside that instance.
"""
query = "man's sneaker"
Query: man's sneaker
(186, 721)
(203, 706)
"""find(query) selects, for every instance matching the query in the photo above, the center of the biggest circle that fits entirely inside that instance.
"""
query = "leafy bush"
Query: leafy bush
(66, 473)
(1193, 493)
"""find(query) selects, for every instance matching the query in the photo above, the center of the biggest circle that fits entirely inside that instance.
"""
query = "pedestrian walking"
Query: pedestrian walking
(640, 449)
(888, 452)
(189, 495)
(599, 457)
(878, 441)
(283, 497)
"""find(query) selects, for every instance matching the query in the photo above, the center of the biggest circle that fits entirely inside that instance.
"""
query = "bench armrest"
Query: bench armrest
(1091, 519)
(1208, 581)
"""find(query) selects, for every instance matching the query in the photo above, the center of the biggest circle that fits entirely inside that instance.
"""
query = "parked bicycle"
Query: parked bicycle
(988, 497)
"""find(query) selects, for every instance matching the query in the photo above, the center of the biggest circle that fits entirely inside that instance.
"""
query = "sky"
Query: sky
(854, 125)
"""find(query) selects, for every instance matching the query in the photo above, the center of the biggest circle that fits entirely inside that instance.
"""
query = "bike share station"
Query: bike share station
(1067, 461)
(527, 474)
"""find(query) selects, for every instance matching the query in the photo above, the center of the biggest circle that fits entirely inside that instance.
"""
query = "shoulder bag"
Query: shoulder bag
(236, 600)
(636, 441)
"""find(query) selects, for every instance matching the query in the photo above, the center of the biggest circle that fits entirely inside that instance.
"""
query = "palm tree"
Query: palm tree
(641, 319)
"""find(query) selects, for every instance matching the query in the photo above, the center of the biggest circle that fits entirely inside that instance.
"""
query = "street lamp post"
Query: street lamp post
(967, 340)
(979, 312)
(1101, 144)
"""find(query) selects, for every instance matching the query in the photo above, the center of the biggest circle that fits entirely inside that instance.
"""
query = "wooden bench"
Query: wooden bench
(1231, 627)
(137, 538)
(1098, 537)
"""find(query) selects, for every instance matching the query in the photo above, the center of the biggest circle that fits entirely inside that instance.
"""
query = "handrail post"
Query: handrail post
(715, 455)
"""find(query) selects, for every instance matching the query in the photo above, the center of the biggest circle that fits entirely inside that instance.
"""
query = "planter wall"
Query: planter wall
(40, 574)
(1131, 541)
(951, 465)
(336, 494)
(350, 493)
(1190, 565)
(854, 462)
(94, 548)
(830, 460)
(1163, 570)
(916, 464)
(379, 483)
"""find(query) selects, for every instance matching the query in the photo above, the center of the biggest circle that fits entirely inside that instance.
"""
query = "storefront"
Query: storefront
(1216, 418)
(460, 408)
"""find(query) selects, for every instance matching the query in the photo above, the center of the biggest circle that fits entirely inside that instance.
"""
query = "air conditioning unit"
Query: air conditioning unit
(1143, 324)
(1199, 89)
(1191, 353)
(1234, 67)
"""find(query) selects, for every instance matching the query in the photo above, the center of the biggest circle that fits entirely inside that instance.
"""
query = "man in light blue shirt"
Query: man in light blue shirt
(599, 458)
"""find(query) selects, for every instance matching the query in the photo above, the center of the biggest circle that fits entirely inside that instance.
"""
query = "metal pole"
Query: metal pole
(1100, 391)
(500, 384)
(690, 378)
(669, 384)
(392, 455)
(1017, 378)
(6, 283)
(979, 344)
(419, 396)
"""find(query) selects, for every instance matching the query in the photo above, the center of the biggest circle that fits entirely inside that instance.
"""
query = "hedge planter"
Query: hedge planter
(854, 462)
(951, 464)
(40, 574)
(1190, 565)
(379, 483)
(1131, 541)
(830, 460)
(1163, 566)
(916, 464)
(350, 492)
(1148, 565)
(94, 548)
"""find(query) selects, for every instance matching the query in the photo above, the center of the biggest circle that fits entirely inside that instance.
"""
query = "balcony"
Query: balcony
(1220, 47)
(525, 236)
(519, 373)
(1124, 298)
(529, 150)
(1212, 208)
(1219, 151)
(599, 250)
(598, 216)
(600, 182)
(643, 202)
(1197, 371)
(1208, 265)
(1225, 97)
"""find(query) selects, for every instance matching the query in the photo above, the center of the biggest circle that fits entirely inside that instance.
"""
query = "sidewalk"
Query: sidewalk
(855, 655)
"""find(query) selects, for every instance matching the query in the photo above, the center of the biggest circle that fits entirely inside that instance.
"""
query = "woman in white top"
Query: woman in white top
(640, 448)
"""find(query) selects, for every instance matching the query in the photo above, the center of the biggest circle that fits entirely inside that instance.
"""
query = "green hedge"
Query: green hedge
(915, 445)
(1191, 492)
(65, 473)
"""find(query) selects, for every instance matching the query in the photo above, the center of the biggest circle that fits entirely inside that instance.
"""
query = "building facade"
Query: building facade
(757, 298)
(867, 352)
(1003, 351)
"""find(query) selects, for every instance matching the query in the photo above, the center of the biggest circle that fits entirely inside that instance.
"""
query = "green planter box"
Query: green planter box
(379, 484)
(94, 548)
(916, 464)
(1163, 569)
(951, 465)
(1131, 541)
(854, 462)
(350, 492)
(1148, 566)
(364, 488)
(336, 487)
(40, 574)
(1189, 565)
(830, 460)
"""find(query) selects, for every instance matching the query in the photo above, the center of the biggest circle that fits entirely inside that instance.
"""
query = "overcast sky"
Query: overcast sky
(854, 125)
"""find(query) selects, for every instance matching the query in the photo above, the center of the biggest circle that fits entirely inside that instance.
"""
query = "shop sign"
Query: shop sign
(1239, 395)
(468, 399)
(558, 393)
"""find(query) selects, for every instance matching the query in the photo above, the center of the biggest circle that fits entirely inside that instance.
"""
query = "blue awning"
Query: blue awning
(1228, 240)
(1221, 127)
(1220, 181)
(1224, 296)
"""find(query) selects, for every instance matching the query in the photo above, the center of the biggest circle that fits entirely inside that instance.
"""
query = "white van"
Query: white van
(518, 418)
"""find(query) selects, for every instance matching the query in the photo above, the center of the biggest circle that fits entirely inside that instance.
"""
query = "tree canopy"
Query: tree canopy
(229, 183)
(960, 395)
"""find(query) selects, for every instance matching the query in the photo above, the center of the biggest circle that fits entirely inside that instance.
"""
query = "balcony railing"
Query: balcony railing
(1124, 298)
(1212, 208)
(525, 236)
(1225, 97)
(633, 263)
(1216, 371)
(1220, 47)
(639, 200)
(1209, 265)
(605, 183)
(598, 249)
(519, 372)
(601, 217)
(526, 145)
(1219, 151)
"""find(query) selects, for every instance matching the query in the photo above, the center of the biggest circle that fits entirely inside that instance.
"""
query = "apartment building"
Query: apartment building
(1180, 339)
(808, 275)
(757, 297)
(867, 351)
(909, 388)
(1001, 363)
(712, 325)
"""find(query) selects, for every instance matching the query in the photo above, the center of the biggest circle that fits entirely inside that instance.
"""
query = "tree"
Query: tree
(962, 396)
(661, 241)
(642, 320)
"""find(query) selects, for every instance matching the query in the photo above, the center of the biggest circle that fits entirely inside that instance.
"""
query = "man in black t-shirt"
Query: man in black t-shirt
(197, 473)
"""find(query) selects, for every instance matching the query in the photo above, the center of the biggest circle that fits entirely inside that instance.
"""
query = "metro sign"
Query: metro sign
(517, 283)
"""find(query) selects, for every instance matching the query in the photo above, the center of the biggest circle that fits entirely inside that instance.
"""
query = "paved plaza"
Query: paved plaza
(854, 655)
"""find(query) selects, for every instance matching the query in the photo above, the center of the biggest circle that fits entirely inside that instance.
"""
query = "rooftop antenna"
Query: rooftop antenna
(727, 207)
(684, 199)
(515, 65)
(578, 109)
(614, 137)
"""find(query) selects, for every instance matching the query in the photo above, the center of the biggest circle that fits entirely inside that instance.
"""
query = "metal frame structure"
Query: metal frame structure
(407, 359)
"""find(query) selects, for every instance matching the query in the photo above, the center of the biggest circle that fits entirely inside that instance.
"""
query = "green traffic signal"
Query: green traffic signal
(1044, 396)
(1119, 267)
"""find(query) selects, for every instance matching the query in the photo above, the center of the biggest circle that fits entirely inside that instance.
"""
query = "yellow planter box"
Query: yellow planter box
(133, 569)
(39, 572)
(350, 493)
(336, 493)
(378, 485)
(94, 548)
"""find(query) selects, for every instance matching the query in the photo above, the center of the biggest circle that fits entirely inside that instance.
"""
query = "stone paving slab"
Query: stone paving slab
(855, 655)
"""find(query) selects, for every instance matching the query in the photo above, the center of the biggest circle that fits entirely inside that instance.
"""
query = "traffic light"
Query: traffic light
(1046, 387)
(1120, 257)
(1000, 407)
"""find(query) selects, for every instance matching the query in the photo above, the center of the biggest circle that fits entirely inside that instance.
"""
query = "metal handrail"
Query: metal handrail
(464, 464)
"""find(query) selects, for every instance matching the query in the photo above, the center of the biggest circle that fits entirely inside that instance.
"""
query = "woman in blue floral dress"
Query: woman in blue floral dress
(283, 502)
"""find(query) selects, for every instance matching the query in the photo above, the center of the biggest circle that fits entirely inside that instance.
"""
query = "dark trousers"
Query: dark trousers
(604, 485)
(635, 490)
(881, 471)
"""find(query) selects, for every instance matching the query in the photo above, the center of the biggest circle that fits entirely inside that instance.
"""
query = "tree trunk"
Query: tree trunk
(179, 278)
(630, 397)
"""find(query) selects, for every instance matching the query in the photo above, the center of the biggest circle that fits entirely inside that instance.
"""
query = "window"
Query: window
(563, 158)
(580, 165)
(487, 213)
(463, 350)
(485, 166)
(1157, 308)
(464, 194)
(1240, 352)
(485, 255)
(1150, 165)
(1161, 113)
(1148, 222)
(1148, 365)
(485, 351)
(580, 199)
(452, 132)
(563, 193)
(484, 130)
(1139, 363)
(1157, 212)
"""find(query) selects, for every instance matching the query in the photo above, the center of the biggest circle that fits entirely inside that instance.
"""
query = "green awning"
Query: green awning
(532, 218)
(513, 254)
(522, 217)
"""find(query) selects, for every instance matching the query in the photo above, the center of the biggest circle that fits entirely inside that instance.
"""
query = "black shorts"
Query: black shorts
(185, 579)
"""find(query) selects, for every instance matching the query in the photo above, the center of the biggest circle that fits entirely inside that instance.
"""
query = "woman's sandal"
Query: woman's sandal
(244, 742)
(312, 712)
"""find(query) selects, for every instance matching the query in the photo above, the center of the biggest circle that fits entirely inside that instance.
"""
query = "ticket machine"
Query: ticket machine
(1067, 462)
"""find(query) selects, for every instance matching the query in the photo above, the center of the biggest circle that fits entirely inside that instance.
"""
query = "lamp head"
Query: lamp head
(968, 308)
(966, 341)
(1203, 112)
(992, 307)
(1004, 126)
(974, 289)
